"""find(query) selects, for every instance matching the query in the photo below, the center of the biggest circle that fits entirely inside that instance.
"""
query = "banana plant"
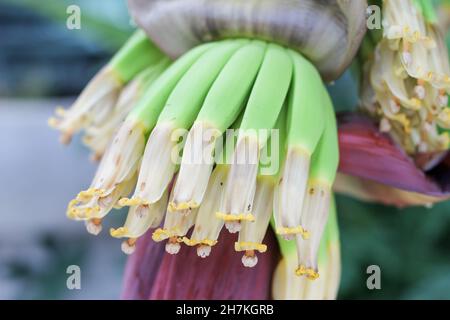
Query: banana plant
(187, 114)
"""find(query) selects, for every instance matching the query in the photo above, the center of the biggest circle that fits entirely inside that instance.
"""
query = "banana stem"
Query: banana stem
(137, 53)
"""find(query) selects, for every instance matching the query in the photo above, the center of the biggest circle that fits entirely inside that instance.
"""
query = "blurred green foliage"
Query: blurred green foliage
(40, 56)
(47, 279)
(38, 271)
(411, 246)
(102, 21)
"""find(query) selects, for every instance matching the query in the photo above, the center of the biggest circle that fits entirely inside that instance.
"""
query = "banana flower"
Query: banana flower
(232, 144)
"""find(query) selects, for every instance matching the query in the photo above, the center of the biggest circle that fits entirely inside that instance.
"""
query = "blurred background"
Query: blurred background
(42, 65)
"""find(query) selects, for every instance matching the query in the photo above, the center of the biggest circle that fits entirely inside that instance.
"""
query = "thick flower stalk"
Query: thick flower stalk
(408, 80)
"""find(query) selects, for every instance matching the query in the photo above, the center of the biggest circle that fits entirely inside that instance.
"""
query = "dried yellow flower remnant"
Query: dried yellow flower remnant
(407, 81)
